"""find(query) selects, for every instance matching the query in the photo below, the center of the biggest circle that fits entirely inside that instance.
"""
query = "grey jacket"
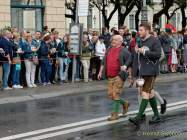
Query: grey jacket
(150, 61)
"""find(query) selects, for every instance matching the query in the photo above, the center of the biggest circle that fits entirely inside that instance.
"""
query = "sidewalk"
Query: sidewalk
(28, 94)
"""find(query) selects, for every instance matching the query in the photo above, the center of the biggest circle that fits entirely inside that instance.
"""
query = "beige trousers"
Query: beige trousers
(86, 66)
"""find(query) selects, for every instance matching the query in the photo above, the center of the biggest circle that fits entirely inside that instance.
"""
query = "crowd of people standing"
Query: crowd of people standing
(44, 57)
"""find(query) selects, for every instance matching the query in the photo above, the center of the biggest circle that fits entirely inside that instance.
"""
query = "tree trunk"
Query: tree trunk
(121, 20)
(70, 16)
(183, 17)
(165, 9)
(157, 16)
(137, 18)
(107, 24)
(121, 16)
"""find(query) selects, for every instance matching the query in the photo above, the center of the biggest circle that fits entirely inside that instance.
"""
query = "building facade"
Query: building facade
(32, 15)
(95, 20)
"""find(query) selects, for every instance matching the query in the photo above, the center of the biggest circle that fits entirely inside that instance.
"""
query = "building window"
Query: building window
(27, 14)
(131, 22)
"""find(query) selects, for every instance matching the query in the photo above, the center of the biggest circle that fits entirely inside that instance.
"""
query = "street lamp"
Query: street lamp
(94, 20)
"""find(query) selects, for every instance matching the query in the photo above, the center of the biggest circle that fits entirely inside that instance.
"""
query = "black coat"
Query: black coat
(7, 46)
(150, 61)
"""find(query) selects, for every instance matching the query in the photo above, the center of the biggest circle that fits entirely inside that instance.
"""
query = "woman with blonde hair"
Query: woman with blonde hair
(28, 54)
(17, 51)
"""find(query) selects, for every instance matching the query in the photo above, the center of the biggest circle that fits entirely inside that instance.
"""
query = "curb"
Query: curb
(76, 89)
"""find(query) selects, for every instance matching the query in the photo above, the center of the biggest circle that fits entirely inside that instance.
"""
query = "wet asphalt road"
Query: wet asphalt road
(32, 115)
(172, 127)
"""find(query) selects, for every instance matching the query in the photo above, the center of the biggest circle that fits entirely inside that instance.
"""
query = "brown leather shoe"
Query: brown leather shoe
(125, 107)
(114, 116)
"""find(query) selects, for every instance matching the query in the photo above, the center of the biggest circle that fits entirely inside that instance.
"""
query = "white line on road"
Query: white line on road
(55, 134)
(76, 124)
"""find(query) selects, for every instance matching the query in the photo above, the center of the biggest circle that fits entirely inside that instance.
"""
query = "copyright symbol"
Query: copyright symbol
(139, 133)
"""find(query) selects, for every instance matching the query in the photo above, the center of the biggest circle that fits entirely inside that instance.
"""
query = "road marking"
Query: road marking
(50, 135)
(76, 124)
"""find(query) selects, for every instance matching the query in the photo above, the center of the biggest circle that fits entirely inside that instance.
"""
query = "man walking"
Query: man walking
(149, 55)
(115, 65)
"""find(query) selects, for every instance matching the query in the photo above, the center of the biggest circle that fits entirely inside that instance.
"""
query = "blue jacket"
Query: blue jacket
(43, 50)
(62, 48)
(26, 48)
(36, 43)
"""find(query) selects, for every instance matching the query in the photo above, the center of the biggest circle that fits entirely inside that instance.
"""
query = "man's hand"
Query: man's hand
(124, 68)
(99, 76)
(100, 72)
(136, 49)
(141, 50)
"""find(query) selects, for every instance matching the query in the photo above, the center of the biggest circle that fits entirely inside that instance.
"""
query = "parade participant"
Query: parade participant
(44, 52)
(6, 57)
(115, 65)
(86, 56)
(23, 44)
(62, 48)
(149, 55)
(53, 55)
(162, 101)
(17, 51)
(36, 42)
(29, 51)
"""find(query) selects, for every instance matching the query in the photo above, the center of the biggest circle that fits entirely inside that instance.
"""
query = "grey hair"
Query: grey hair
(119, 37)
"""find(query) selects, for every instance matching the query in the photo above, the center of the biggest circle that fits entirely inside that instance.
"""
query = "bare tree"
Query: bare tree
(71, 5)
(166, 5)
(102, 5)
(124, 9)
(182, 6)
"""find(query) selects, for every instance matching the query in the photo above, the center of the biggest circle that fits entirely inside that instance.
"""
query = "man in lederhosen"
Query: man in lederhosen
(149, 55)
(115, 65)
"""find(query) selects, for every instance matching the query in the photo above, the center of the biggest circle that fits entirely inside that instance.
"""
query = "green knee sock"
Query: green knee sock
(116, 106)
(142, 108)
(153, 104)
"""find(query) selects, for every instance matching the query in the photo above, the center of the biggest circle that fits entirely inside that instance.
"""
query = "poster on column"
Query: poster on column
(76, 38)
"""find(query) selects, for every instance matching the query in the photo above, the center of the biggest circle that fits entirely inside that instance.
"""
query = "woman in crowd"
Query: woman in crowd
(63, 58)
(86, 56)
(28, 52)
(172, 59)
(53, 56)
(100, 50)
(16, 61)
(45, 60)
